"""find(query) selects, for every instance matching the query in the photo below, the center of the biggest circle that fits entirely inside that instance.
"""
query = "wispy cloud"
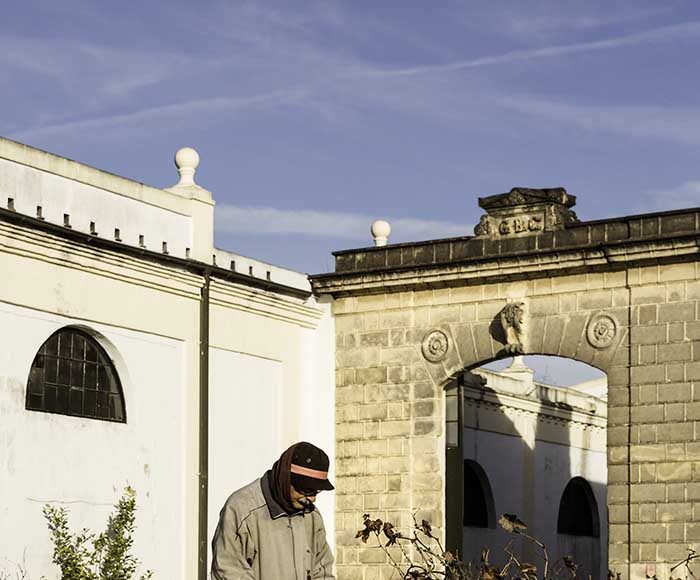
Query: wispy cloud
(269, 221)
(685, 195)
(689, 29)
(546, 23)
(283, 58)
(184, 112)
(88, 70)
(542, 19)
(677, 124)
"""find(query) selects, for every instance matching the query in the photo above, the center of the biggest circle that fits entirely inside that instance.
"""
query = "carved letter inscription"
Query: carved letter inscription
(514, 225)
(524, 211)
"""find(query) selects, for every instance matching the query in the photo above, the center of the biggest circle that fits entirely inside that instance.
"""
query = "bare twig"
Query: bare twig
(692, 555)
(428, 560)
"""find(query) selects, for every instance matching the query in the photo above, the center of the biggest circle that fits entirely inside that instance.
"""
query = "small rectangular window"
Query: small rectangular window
(76, 401)
(51, 345)
(91, 375)
(90, 402)
(51, 369)
(50, 398)
(78, 351)
(64, 346)
(62, 399)
(63, 372)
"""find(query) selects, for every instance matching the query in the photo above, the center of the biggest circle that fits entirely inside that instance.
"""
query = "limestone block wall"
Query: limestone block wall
(658, 414)
(640, 325)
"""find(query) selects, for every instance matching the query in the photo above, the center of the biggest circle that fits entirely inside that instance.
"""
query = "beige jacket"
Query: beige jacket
(257, 540)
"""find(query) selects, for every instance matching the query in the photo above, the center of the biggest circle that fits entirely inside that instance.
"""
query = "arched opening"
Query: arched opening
(534, 424)
(72, 374)
(479, 510)
(578, 510)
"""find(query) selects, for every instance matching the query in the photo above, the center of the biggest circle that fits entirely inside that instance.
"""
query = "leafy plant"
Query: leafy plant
(89, 556)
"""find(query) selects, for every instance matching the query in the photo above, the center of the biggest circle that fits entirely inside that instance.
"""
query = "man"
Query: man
(270, 529)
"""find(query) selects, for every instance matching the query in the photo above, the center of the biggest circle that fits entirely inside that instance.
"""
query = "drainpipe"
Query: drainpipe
(202, 568)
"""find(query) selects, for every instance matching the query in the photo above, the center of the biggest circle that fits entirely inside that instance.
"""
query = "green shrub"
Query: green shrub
(89, 556)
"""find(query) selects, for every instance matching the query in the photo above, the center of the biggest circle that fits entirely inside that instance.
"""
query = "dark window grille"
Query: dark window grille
(478, 500)
(73, 375)
(578, 510)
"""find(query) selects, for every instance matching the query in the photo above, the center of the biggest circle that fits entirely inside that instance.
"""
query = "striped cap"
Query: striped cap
(310, 468)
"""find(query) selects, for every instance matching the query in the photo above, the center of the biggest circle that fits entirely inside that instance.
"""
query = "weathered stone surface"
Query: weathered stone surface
(642, 270)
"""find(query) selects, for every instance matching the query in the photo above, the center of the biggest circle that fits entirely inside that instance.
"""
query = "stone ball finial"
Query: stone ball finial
(380, 232)
(187, 161)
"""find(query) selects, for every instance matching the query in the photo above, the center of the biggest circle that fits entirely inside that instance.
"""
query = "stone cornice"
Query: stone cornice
(601, 245)
(544, 410)
(39, 245)
(264, 304)
(43, 247)
(77, 239)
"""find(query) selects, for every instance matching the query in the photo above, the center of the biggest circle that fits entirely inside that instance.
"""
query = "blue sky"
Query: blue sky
(314, 118)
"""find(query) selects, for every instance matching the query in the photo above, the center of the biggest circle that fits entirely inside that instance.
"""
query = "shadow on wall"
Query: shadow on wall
(578, 526)
(537, 451)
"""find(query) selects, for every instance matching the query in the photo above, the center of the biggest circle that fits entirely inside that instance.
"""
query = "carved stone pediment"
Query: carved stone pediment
(527, 196)
(524, 211)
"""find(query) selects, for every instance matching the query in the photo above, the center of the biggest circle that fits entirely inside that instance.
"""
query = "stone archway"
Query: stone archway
(622, 295)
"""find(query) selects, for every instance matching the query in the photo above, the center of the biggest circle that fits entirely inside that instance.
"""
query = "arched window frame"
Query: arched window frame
(578, 494)
(480, 481)
(62, 393)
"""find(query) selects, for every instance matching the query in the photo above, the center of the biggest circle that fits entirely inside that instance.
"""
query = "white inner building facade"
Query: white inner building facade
(537, 451)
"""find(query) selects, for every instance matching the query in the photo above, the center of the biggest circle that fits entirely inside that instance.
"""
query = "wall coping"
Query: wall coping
(171, 199)
(602, 244)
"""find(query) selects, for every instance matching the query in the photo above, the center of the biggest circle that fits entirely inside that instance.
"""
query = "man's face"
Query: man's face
(302, 499)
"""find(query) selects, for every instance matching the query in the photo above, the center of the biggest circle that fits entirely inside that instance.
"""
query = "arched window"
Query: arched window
(578, 510)
(73, 375)
(478, 500)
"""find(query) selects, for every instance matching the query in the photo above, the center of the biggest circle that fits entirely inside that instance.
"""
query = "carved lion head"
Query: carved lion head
(513, 314)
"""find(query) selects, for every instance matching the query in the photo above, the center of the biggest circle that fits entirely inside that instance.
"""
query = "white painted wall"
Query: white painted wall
(503, 460)
(531, 440)
(260, 404)
(555, 466)
(58, 195)
(245, 413)
(84, 464)
(316, 403)
(528, 480)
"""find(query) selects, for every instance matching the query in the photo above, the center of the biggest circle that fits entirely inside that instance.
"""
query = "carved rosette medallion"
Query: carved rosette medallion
(602, 330)
(435, 346)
